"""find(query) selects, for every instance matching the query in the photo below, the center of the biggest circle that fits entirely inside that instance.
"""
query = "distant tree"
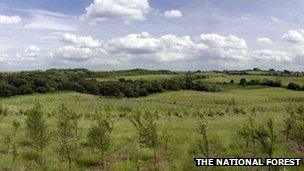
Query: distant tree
(99, 136)
(36, 128)
(231, 81)
(243, 82)
(293, 86)
(68, 136)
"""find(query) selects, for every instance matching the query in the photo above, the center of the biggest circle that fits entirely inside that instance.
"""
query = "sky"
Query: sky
(151, 34)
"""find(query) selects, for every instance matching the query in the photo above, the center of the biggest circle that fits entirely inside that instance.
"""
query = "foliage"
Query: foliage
(36, 128)
(294, 125)
(264, 82)
(294, 86)
(203, 141)
(266, 137)
(247, 132)
(68, 136)
(99, 136)
(145, 123)
(85, 81)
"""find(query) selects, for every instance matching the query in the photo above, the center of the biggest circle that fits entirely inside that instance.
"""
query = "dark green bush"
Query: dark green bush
(294, 86)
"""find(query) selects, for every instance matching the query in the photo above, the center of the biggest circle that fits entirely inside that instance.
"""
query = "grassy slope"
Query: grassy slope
(269, 102)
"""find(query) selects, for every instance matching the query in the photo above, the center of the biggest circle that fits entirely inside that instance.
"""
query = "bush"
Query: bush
(36, 128)
(294, 126)
(243, 82)
(272, 83)
(294, 86)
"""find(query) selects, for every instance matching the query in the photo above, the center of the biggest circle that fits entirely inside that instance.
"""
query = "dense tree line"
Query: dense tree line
(265, 82)
(84, 81)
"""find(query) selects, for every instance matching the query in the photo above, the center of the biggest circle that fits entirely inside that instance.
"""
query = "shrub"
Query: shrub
(265, 136)
(67, 133)
(36, 128)
(99, 136)
(243, 82)
(145, 123)
(271, 83)
(203, 141)
(294, 126)
(294, 86)
(247, 133)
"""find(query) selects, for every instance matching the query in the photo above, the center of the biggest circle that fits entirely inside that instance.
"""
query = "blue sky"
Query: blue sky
(153, 34)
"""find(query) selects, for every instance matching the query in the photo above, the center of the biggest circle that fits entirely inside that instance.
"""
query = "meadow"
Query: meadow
(179, 115)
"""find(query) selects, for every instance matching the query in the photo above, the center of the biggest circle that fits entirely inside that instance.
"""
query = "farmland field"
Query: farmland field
(178, 112)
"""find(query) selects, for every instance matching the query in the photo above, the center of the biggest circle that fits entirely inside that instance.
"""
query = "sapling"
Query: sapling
(68, 137)
(266, 137)
(145, 123)
(203, 139)
(99, 136)
(294, 126)
(166, 136)
(247, 132)
(36, 128)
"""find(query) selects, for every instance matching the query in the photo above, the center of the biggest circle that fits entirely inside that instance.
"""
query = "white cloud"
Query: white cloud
(72, 53)
(10, 20)
(30, 53)
(142, 43)
(165, 48)
(275, 19)
(40, 21)
(4, 58)
(83, 41)
(264, 40)
(267, 54)
(225, 47)
(173, 48)
(293, 36)
(146, 49)
(127, 10)
(173, 14)
(179, 48)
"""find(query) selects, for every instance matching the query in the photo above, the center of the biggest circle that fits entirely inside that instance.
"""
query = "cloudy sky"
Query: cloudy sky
(152, 34)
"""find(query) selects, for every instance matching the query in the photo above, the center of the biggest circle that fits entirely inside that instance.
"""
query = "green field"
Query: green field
(177, 113)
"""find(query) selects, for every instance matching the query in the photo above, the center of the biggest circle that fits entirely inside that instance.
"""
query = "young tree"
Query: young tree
(166, 136)
(203, 141)
(294, 126)
(36, 128)
(99, 136)
(147, 130)
(3, 111)
(247, 132)
(266, 137)
(243, 82)
(68, 137)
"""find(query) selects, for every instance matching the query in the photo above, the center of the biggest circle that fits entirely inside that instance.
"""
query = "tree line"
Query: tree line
(270, 83)
(85, 82)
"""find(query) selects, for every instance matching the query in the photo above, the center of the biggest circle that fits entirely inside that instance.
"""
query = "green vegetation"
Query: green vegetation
(163, 131)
